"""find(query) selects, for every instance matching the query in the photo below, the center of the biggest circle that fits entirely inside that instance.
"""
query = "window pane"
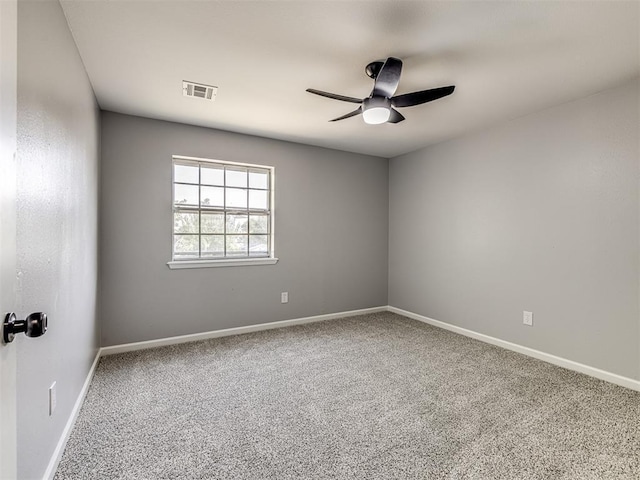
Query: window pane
(211, 175)
(212, 196)
(258, 245)
(236, 245)
(236, 178)
(185, 222)
(259, 224)
(236, 198)
(212, 222)
(237, 223)
(213, 201)
(258, 180)
(212, 245)
(258, 199)
(185, 173)
(185, 194)
(185, 246)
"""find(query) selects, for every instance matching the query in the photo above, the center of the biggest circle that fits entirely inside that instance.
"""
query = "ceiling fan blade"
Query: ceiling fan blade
(358, 111)
(424, 96)
(396, 116)
(388, 78)
(334, 96)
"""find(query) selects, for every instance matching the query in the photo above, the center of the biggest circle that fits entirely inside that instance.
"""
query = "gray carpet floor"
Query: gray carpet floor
(371, 397)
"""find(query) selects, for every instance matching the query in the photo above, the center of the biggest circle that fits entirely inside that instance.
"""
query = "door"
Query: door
(8, 300)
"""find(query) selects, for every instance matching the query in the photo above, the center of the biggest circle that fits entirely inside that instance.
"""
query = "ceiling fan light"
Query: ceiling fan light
(376, 110)
(376, 115)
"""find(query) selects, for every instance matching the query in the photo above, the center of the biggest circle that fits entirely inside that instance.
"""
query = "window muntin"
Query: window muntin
(221, 210)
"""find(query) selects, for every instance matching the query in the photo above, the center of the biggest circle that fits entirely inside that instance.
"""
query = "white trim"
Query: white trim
(213, 160)
(236, 262)
(64, 437)
(226, 261)
(547, 357)
(130, 347)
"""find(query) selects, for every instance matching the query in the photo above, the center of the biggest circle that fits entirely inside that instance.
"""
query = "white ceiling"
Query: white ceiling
(507, 59)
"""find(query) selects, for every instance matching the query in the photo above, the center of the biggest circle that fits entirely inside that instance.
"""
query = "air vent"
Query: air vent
(198, 90)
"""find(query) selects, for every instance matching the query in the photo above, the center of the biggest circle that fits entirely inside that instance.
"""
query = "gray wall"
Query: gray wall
(57, 168)
(539, 214)
(331, 224)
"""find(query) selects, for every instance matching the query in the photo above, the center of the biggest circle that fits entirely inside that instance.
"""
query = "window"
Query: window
(222, 213)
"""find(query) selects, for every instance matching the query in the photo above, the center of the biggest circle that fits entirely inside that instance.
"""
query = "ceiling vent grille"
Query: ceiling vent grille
(198, 90)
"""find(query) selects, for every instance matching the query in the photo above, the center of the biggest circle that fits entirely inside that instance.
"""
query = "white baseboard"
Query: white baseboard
(130, 347)
(64, 437)
(559, 361)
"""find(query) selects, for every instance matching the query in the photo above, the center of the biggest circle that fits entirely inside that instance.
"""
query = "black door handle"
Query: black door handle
(33, 326)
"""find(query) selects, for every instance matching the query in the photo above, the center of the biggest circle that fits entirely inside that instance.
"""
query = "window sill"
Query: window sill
(227, 262)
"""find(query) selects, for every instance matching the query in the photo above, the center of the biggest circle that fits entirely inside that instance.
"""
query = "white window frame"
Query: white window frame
(270, 259)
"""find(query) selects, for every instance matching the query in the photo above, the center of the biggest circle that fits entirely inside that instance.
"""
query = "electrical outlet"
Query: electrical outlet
(527, 318)
(284, 297)
(52, 398)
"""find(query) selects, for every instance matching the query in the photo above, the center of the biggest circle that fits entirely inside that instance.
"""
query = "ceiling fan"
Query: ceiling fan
(380, 106)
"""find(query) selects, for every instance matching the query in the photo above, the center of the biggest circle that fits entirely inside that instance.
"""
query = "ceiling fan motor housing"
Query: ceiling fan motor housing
(373, 69)
(376, 102)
